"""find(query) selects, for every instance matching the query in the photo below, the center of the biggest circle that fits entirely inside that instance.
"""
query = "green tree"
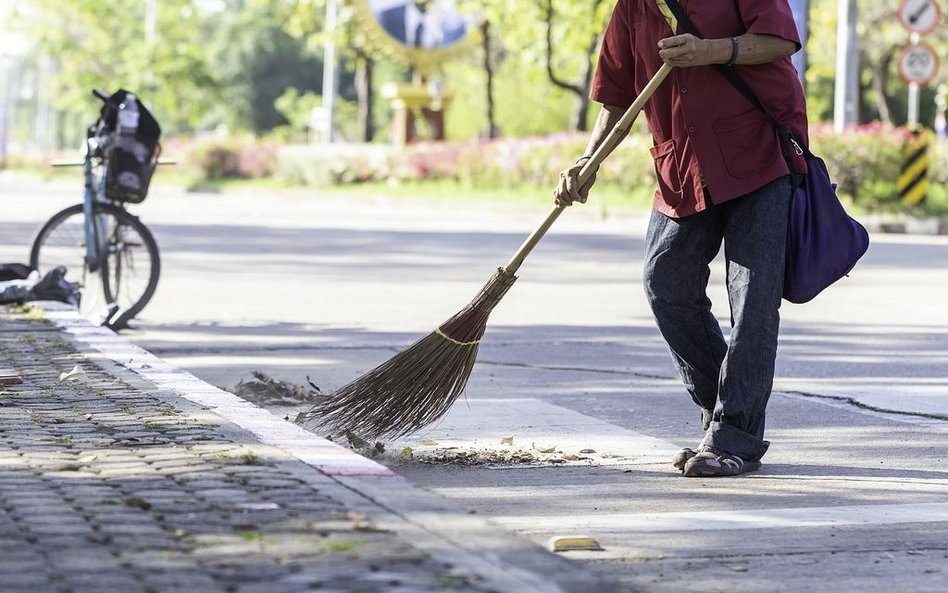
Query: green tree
(357, 58)
(558, 37)
(573, 34)
(103, 45)
(257, 61)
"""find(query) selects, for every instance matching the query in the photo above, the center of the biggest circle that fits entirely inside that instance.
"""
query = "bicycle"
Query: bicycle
(106, 250)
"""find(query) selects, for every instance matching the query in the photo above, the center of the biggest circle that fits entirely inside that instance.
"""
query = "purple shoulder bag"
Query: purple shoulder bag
(823, 241)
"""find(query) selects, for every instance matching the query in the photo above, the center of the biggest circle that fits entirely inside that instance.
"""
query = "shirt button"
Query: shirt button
(691, 130)
(684, 91)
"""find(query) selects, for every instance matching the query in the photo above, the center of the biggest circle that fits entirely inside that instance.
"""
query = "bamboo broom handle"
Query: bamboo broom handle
(613, 139)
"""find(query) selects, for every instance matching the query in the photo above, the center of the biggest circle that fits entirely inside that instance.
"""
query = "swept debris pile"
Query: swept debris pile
(264, 390)
(267, 391)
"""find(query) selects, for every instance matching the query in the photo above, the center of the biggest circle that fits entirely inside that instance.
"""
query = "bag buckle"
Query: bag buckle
(796, 147)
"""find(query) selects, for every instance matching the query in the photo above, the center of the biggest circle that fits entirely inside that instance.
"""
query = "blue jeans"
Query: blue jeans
(730, 380)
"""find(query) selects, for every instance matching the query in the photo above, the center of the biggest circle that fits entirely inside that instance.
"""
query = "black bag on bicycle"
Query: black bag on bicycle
(133, 151)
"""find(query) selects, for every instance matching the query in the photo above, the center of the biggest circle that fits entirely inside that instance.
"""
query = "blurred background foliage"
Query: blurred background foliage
(236, 85)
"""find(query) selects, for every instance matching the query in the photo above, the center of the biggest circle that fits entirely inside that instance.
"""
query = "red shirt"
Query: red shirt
(704, 131)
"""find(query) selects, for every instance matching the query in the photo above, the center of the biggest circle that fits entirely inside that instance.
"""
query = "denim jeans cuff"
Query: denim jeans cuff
(706, 416)
(735, 441)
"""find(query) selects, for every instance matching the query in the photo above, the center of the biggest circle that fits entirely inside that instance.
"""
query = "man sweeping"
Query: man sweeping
(722, 180)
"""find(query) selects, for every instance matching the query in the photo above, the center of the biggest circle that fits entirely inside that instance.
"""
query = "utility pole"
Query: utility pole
(151, 35)
(846, 98)
(329, 72)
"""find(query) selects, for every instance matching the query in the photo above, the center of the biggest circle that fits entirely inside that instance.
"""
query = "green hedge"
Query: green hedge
(865, 161)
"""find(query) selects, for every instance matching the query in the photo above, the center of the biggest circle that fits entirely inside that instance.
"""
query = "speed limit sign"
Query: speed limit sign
(918, 63)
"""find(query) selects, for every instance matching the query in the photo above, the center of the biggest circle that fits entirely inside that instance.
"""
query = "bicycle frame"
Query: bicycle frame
(94, 192)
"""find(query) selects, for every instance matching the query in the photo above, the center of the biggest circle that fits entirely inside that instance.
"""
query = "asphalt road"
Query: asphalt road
(573, 376)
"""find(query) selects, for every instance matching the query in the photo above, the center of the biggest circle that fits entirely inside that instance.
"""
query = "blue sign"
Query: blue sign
(420, 24)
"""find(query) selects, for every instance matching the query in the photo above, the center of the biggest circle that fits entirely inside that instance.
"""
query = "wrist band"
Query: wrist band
(734, 49)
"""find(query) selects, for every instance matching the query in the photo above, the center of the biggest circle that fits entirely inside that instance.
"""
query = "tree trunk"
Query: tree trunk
(365, 92)
(880, 82)
(580, 113)
(492, 130)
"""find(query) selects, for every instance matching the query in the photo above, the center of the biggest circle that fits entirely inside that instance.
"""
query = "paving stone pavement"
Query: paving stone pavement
(109, 485)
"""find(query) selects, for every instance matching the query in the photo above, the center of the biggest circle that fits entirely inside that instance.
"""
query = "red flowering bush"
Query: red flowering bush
(865, 161)
(233, 159)
(512, 162)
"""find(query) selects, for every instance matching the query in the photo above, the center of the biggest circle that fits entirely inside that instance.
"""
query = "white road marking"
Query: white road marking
(730, 520)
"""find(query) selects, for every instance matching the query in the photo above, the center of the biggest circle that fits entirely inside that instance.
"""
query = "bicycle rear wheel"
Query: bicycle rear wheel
(124, 278)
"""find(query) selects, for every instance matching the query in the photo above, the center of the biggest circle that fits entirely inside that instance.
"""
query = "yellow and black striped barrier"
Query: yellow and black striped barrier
(913, 180)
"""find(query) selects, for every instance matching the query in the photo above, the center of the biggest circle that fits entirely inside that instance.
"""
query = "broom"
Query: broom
(418, 385)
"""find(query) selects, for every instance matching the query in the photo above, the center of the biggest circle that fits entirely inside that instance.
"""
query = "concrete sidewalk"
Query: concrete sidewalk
(119, 472)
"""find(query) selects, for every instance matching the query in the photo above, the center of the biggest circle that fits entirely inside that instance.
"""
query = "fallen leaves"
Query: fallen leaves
(474, 456)
(429, 451)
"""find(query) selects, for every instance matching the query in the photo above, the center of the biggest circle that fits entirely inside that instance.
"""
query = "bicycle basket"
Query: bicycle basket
(130, 160)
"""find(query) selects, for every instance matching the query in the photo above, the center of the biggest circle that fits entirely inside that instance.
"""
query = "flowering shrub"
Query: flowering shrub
(864, 160)
(233, 159)
(335, 164)
(430, 160)
(938, 162)
(512, 162)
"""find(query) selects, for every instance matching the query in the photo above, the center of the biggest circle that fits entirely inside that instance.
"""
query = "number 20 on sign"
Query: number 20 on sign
(918, 63)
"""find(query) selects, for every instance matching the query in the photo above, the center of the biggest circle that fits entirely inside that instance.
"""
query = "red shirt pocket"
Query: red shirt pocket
(748, 143)
(667, 171)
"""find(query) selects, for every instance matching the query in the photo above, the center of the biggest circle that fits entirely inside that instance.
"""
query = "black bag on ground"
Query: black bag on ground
(54, 287)
(15, 282)
(30, 287)
(14, 272)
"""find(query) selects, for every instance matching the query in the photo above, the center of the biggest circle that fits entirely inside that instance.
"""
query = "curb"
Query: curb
(907, 226)
(426, 521)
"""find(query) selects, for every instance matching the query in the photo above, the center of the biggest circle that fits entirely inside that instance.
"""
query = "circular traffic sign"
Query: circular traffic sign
(918, 63)
(920, 16)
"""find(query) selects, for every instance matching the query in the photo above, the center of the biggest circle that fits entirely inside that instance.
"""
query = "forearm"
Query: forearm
(608, 117)
(568, 190)
(751, 48)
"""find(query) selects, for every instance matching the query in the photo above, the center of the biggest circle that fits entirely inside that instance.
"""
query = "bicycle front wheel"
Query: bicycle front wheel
(124, 277)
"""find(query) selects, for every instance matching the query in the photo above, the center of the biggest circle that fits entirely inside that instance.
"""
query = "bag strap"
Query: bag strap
(738, 82)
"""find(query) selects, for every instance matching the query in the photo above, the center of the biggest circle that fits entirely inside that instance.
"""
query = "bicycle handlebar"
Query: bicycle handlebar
(102, 96)
(78, 163)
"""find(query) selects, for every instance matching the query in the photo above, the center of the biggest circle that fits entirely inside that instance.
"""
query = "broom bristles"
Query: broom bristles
(418, 385)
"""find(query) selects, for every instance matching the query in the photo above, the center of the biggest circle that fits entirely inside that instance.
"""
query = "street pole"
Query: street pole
(6, 103)
(151, 34)
(847, 83)
(913, 99)
(913, 105)
(329, 71)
